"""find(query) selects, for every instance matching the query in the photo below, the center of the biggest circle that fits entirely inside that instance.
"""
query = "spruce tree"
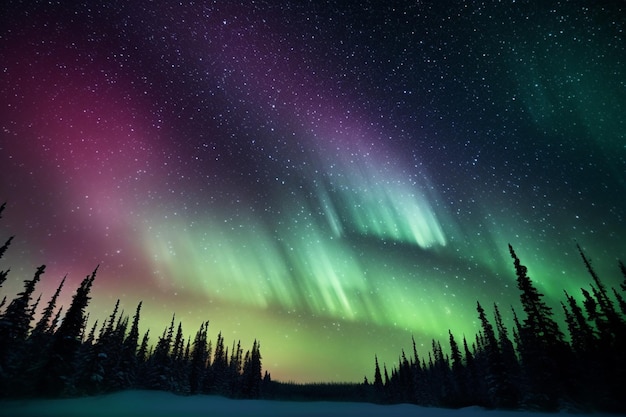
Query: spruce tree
(252, 373)
(219, 367)
(608, 359)
(58, 373)
(180, 379)
(131, 341)
(615, 324)
(474, 382)
(43, 324)
(406, 390)
(159, 365)
(583, 337)
(15, 321)
(14, 331)
(38, 345)
(378, 378)
(459, 396)
(419, 377)
(500, 392)
(597, 318)
(510, 362)
(235, 367)
(111, 350)
(143, 353)
(72, 325)
(441, 375)
(544, 354)
(199, 358)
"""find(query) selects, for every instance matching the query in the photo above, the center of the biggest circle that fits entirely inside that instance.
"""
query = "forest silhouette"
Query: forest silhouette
(535, 365)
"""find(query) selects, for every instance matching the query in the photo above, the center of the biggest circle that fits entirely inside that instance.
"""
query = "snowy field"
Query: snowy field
(162, 404)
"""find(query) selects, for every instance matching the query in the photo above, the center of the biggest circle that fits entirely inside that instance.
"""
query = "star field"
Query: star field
(330, 178)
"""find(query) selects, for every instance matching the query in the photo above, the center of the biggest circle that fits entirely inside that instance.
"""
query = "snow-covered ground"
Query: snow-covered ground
(162, 404)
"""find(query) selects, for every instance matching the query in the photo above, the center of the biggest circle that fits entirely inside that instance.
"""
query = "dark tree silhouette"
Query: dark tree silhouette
(500, 392)
(199, 359)
(15, 321)
(543, 351)
(58, 372)
(14, 331)
(251, 387)
(43, 325)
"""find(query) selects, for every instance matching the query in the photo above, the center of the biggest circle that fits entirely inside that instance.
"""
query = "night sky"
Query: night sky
(331, 177)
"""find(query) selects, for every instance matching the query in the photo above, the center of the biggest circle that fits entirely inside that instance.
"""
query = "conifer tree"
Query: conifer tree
(459, 396)
(131, 341)
(615, 325)
(235, 367)
(543, 351)
(15, 322)
(159, 375)
(72, 324)
(473, 380)
(500, 392)
(582, 335)
(594, 316)
(107, 328)
(378, 378)
(608, 359)
(180, 382)
(420, 382)
(117, 372)
(14, 330)
(58, 372)
(405, 391)
(386, 375)
(178, 345)
(539, 315)
(252, 373)
(142, 353)
(441, 375)
(44, 321)
(38, 344)
(219, 367)
(199, 358)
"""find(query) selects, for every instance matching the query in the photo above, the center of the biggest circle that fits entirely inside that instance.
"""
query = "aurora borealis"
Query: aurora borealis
(328, 177)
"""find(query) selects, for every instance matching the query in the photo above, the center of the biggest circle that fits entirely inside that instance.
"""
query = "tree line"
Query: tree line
(57, 356)
(534, 366)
